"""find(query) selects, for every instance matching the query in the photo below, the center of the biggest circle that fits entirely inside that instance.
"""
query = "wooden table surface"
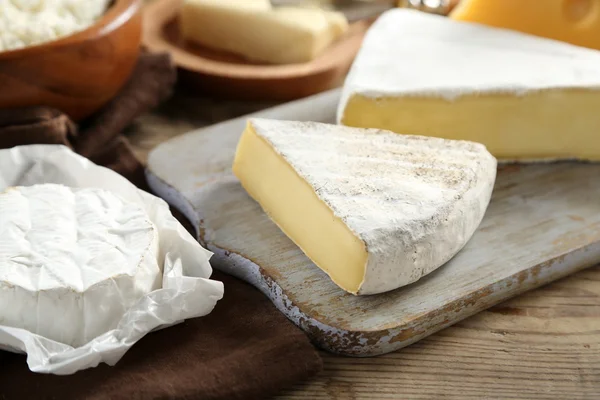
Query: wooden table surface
(542, 345)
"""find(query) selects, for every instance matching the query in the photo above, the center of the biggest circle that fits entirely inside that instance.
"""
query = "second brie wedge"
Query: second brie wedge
(375, 210)
(526, 98)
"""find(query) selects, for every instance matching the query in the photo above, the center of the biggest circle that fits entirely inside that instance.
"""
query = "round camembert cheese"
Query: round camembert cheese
(72, 261)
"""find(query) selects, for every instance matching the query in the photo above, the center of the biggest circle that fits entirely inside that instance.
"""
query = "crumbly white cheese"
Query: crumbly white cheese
(29, 22)
(72, 261)
(413, 201)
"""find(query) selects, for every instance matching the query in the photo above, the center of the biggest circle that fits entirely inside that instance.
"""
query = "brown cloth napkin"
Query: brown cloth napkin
(245, 349)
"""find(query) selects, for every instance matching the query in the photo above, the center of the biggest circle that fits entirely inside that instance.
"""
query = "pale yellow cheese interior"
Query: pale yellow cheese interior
(529, 127)
(295, 207)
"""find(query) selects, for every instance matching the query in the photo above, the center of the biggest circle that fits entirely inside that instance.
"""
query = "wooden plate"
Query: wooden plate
(228, 75)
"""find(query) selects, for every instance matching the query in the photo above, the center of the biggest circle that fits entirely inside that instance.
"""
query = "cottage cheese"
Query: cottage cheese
(29, 22)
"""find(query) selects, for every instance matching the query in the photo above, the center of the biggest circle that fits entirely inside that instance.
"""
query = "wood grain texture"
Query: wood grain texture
(227, 75)
(543, 223)
(544, 344)
(79, 73)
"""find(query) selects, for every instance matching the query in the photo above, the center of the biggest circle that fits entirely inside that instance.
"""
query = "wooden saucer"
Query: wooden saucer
(227, 75)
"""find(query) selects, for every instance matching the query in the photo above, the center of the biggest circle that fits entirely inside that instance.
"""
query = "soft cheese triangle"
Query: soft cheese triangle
(524, 97)
(72, 261)
(375, 210)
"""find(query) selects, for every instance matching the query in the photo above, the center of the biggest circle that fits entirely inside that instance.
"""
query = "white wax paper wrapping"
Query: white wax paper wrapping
(187, 291)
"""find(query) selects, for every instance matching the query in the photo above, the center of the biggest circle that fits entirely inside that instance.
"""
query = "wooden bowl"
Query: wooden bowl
(77, 74)
(228, 75)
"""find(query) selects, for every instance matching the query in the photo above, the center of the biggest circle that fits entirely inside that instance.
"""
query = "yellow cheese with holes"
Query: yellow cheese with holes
(258, 32)
(373, 209)
(524, 97)
(573, 21)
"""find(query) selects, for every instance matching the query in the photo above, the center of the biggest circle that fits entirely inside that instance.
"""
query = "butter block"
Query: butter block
(373, 209)
(573, 21)
(260, 33)
(525, 98)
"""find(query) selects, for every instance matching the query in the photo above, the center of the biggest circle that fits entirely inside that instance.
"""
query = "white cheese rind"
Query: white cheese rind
(411, 53)
(72, 261)
(414, 201)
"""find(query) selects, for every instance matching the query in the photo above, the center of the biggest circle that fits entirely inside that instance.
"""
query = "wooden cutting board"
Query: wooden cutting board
(543, 223)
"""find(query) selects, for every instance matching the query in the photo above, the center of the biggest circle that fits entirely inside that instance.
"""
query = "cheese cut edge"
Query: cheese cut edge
(345, 250)
(438, 117)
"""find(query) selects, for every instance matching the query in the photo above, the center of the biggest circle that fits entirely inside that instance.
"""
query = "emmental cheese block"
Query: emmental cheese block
(73, 261)
(524, 97)
(573, 21)
(373, 209)
(260, 33)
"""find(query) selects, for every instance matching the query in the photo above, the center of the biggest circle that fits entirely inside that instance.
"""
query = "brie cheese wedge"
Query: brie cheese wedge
(72, 261)
(525, 98)
(373, 209)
